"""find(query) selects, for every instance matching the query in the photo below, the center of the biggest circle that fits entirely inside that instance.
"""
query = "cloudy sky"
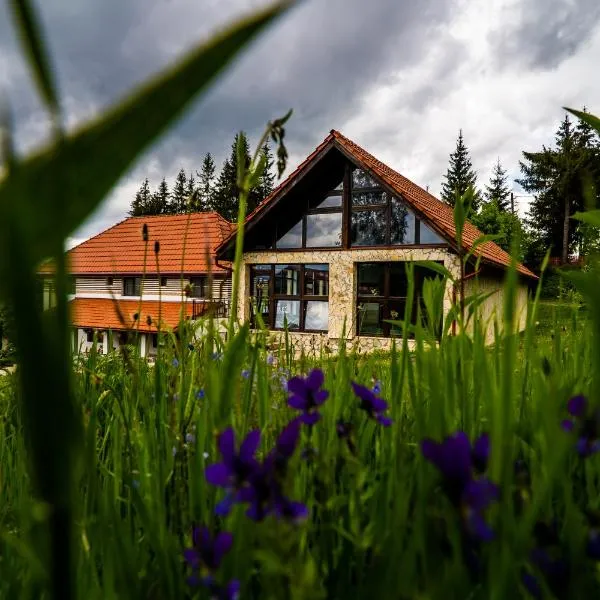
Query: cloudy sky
(400, 77)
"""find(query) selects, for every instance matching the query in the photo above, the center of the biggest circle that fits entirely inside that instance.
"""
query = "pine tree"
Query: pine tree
(460, 175)
(557, 177)
(143, 199)
(267, 181)
(498, 190)
(226, 195)
(206, 185)
(191, 197)
(179, 195)
(160, 199)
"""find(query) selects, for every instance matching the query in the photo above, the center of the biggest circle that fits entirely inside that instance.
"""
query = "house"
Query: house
(325, 254)
(124, 281)
(324, 257)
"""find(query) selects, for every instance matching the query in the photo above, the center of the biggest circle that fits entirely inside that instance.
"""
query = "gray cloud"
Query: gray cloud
(545, 32)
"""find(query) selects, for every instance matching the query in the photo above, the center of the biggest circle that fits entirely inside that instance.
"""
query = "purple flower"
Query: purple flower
(246, 374)
(205, 557)
(270, 359)
(237, 467)
(283, 382)
(200, 394)
(190, 438)
(175, 363)
(457, 462)
(307, 395)
(377, 387)
(372, 404)
(585, 423)
(285, 446)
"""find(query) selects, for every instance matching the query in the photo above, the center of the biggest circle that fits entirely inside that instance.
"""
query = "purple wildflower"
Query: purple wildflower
(200, 394)
(205, 557)
(246, 374)
(372, 404)
(457, 460)
(307, 395)
(270, 359)
(190, 438)
(237, 467)
(283, 382)
(285, 446)
(175, 363)
(585, 423)
(377, 387)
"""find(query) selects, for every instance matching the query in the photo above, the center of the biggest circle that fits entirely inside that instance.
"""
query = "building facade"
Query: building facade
(137, 280)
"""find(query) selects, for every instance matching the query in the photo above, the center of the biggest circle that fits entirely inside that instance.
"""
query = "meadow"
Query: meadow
(234, 469)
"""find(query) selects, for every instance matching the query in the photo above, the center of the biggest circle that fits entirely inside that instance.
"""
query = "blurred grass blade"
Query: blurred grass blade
(32, 40)
(434, 266)
(591, 217)
(104, 150)
(591, 120)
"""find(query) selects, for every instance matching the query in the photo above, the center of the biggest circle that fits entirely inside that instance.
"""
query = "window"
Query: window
(292, 296)
(132, 286)
(155, 340)
(109, 281)
(163, 281)
(320, 227)
(377, 217)
(90, 336)
(428, 236)
(199, 287)
(382, 290)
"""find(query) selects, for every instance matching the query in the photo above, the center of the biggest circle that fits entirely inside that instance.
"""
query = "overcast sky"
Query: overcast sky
(398, 77)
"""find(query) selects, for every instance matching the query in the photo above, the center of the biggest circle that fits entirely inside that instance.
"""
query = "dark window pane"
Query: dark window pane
(360, 179)
(293, 238)
(132, 286)
(428, 236)
(332, 201)
(287, 314)
(370, 318)
(368, 228)
(324, 230)
(396, 312)
(287, 280)
(317, 315)
(199, 287)
(368, 198)
(398, 280)
(316, 280)
(260, 280)
(403, 224)
(371, 279)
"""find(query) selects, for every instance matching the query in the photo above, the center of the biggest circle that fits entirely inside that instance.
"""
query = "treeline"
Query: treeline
(206, 190)
(562, 179)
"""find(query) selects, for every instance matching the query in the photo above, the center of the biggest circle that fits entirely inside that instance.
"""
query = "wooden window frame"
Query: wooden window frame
(385, 299)
(301, 297)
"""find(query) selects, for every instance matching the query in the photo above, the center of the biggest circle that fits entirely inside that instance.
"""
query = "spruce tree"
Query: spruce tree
(179, 195)
(160, 200)
(191, 197)
(498, 190)
(557, 177)
(226, 195)
(143, 199)
(267, 181)
(206, 185)
(460, 175)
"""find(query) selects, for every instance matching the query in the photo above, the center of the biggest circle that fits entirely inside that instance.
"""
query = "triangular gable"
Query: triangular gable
(436, 214)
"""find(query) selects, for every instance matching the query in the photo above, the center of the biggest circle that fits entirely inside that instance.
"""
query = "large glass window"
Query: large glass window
(382, 293)
(292, 296)
(199, 287)
(320, 227)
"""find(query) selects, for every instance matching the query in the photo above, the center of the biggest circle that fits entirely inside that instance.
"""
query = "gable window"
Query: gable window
(132, 286)
(292, 296)
(200, 287)
(320, 227)
(382, 290)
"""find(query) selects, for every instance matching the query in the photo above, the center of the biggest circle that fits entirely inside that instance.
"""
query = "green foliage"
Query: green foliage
(460, 176)
(498, 190)
(493, 220)
(179, 194)
(142, 204)
(559, 178)
(206, 184)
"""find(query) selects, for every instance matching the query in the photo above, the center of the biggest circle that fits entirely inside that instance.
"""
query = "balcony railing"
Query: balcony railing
(218, 309)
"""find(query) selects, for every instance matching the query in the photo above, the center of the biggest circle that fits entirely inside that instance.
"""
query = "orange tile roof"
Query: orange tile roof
(105, 313)
(436, 212)
(120, 249)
